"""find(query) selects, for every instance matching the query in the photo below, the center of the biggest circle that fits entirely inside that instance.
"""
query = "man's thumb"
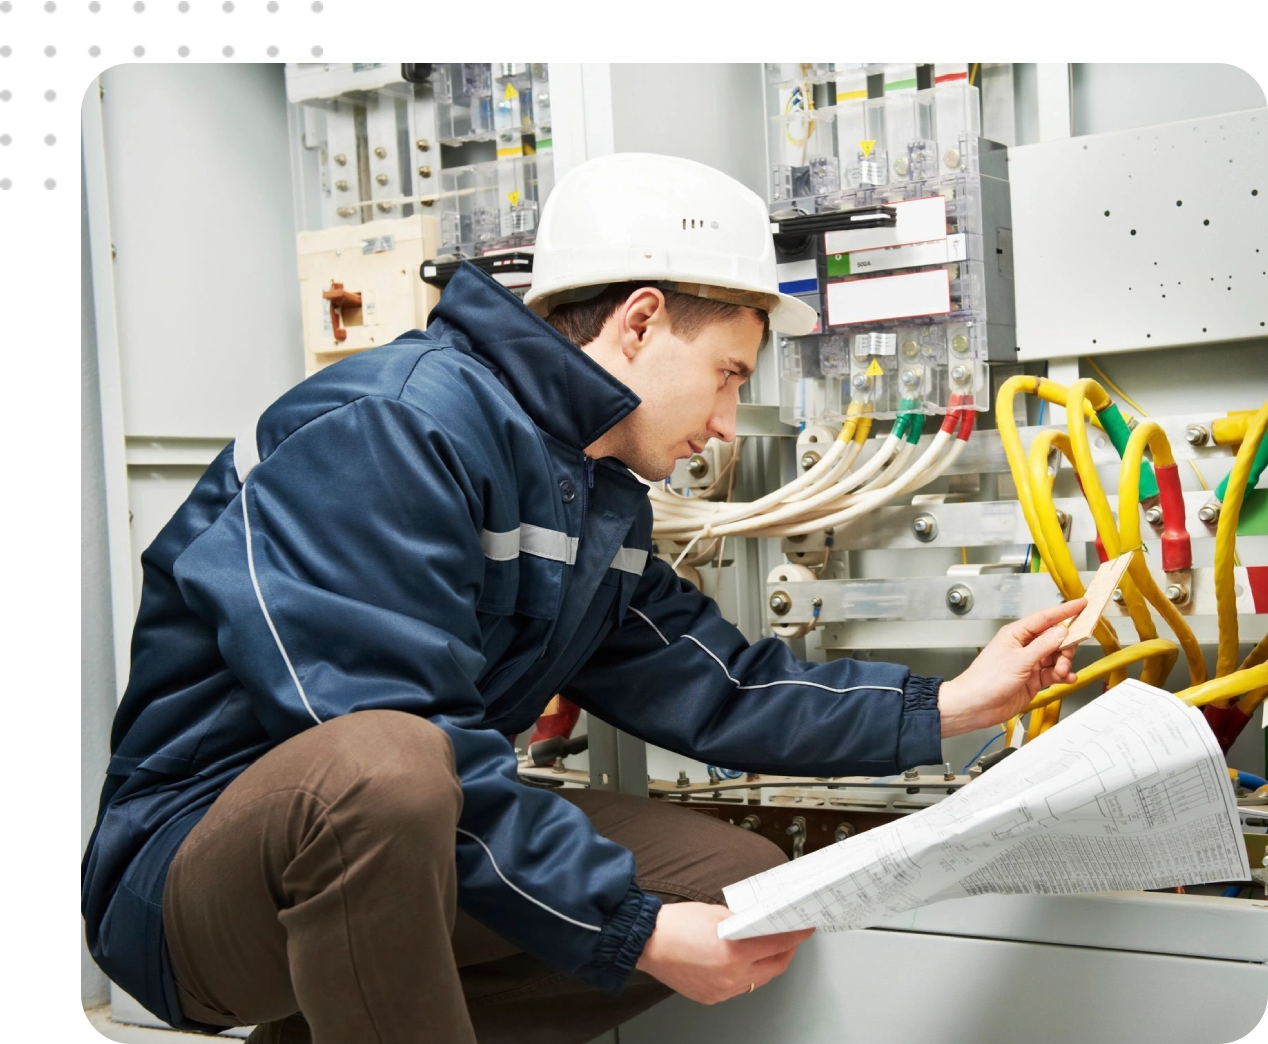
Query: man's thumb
(1047, 643)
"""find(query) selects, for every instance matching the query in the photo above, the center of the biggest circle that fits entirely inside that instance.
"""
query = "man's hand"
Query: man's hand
(685, 953)
(1021, 659)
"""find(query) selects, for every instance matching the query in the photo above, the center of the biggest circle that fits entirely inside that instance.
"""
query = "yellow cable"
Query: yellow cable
(1257, 655)
(1222, 688)
(1226, 542)
(1249, 703)
(1087, 390)
(1139, 409)
(1115, 661)
(1149, 433)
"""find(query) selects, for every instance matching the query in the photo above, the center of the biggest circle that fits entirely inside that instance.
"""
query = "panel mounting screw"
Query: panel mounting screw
(1154, 516)
(925, 526)
(381, 178)
(959, 599)
(1196, 435)
(341, 185)
(780, 603)
(380, 151)
(341, 159)
(424, 172)
(422, 144)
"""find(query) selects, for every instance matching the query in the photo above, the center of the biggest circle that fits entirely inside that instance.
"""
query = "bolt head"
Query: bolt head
(859, 381)
(380, 151)
(951, 157)
(382, 179)
(1117, 596)
(910, 349)
(809, 459)
(1154, 516)
(955, 597)
(779, 603)
(921, 525)
(910, 378)
(341, 159)
(424, 172)
(900, 167)
(422, 144)
(1174, 592)
(960, 374)
(1196, 435)
(960, 343)
(1208, 513)
(341, 185)
(698, 466)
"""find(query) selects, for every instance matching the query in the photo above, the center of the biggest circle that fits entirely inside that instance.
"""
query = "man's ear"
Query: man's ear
(641, 313)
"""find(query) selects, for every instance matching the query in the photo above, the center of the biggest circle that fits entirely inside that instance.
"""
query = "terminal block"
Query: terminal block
(494, 205)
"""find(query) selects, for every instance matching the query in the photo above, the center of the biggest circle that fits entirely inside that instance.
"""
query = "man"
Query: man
(312, 805)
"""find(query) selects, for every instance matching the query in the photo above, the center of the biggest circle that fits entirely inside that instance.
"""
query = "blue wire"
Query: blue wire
(1250, 781)
(980, 752)
(1232, 892)
(725, 773)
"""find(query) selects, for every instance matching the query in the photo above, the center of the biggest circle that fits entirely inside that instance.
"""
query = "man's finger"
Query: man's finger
(1029, 627)
(769, 945)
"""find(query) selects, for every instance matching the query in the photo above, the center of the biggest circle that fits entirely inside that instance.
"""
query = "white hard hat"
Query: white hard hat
(634, 216)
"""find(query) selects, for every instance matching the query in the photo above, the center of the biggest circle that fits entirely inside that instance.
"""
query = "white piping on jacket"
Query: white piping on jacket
(516, 888)
(762, 685)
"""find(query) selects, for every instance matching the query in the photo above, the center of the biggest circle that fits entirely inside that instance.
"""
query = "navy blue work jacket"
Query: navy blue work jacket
(418, 528)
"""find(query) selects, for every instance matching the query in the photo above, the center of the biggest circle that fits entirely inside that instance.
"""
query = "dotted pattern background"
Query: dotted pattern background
(51, 51)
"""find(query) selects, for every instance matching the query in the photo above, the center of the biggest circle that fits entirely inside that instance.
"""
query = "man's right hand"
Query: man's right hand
(685, 953)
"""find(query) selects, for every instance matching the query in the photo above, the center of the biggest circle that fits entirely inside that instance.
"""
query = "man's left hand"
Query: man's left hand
(1021, 659)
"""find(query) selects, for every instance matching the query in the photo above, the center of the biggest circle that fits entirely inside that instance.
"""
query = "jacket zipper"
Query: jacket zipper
(588, 467)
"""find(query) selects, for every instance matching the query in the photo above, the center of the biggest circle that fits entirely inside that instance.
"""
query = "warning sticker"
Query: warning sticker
(514, 197)
(510, 92)
(874, 370)
(867, 146)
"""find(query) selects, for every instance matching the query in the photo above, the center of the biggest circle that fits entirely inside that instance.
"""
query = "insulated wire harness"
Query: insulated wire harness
(832, 493)
(1085, 400)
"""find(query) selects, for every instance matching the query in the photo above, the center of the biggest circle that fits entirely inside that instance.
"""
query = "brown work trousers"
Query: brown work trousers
(322, 881)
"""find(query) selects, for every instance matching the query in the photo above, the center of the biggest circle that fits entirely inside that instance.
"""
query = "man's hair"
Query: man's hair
(581, 321)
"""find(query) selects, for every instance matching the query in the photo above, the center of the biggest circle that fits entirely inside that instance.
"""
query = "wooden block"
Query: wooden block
(1099, 593)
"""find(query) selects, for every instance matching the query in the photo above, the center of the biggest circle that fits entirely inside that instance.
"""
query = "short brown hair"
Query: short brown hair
(581, 321)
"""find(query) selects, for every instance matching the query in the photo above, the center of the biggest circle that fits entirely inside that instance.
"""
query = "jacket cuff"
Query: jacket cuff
(621, 943)
(920, 731)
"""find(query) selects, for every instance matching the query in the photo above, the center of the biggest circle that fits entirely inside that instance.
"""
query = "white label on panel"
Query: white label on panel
(919, 220)
(875, 344)
(913, 255)
(889, 297)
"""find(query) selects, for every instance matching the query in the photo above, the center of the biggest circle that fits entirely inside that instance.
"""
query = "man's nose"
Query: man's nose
(722, 424)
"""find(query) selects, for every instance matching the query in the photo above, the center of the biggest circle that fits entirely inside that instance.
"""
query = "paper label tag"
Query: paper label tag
(1099, 593)
(378, 244)
(875, 344)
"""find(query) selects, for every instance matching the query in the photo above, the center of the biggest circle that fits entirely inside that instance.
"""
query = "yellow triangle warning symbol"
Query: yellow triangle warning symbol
(514, 197)
(510, 91)
(867, 146)
(874, 370)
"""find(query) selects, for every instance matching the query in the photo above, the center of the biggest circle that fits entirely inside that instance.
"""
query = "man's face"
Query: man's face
(689, 388)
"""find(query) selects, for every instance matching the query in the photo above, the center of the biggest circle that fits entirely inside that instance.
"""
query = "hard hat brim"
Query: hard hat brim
(792, 316)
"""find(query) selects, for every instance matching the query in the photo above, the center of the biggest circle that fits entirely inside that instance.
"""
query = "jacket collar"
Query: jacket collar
(565, 392)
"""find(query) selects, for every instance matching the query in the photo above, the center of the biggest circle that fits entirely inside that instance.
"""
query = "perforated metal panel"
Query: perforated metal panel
(1144, 238)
